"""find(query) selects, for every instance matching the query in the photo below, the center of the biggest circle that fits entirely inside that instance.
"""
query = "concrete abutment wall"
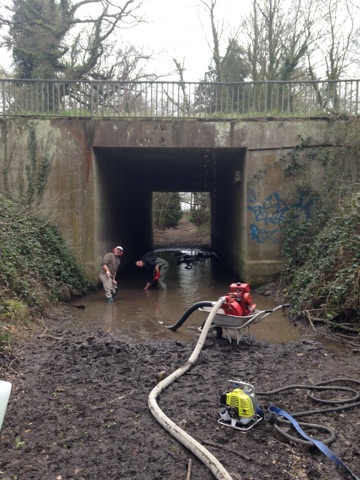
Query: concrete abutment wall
(103, 172)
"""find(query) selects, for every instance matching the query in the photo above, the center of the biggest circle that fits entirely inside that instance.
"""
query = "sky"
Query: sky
(180, 29)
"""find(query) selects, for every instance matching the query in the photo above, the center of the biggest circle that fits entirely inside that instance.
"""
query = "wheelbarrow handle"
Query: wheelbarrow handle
(284, 305)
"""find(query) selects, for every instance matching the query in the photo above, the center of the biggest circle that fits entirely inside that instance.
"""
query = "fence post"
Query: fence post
(91, 99)
(266, 97)
(3, 96)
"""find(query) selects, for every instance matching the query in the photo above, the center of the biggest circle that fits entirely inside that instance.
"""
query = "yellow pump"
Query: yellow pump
(239, 406)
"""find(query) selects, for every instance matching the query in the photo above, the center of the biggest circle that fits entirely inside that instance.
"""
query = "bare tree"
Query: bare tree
(50, 38)
(335, 40)
(277, 38)
(124, 63)
(227, 56)
(166, 209)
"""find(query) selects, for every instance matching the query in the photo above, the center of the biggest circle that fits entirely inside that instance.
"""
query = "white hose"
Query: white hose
(195, 447)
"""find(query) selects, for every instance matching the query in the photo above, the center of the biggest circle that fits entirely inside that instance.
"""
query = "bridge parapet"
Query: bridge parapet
(171, 100)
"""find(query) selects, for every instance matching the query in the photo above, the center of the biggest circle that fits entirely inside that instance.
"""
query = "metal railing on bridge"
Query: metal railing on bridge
(197, 100)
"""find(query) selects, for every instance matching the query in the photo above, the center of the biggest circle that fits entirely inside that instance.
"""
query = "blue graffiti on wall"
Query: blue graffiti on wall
(304, 207)
(271, 213)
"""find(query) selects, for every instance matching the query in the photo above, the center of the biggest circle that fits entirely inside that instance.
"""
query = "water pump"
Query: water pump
(239, 406)
(239, 302)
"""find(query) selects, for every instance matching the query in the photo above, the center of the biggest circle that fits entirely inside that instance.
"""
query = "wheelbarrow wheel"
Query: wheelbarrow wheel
(219, 330)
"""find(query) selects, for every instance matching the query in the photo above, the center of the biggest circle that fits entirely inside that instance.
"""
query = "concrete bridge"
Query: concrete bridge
(94, 174)
(102, 174)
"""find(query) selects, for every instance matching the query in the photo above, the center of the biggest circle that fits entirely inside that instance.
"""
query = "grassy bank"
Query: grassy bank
(36, 268)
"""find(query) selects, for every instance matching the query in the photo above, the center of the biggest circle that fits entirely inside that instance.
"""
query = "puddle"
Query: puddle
(145, 314)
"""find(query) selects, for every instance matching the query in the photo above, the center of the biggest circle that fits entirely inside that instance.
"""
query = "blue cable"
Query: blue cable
(323, 448)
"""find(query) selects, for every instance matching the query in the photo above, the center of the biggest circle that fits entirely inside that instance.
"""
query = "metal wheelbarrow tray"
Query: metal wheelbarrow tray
(238, 323)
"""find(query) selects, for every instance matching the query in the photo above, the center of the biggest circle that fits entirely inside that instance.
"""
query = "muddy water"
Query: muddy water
(140, 314)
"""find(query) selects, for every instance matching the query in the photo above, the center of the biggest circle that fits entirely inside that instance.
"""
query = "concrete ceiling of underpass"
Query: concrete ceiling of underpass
(171, 169)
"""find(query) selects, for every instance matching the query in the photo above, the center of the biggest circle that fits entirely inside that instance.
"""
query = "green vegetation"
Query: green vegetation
(36, 268)
(201, 218)
(166, 209)
(323, 272)
(48, 37)
(18, 442)
(321, 255)
(199, 211)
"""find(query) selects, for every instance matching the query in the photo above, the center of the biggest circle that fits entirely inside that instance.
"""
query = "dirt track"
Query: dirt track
(78, 408)
(186, 234)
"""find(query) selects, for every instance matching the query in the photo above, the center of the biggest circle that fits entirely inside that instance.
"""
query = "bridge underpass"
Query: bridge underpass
(104, 171)
(125, 179)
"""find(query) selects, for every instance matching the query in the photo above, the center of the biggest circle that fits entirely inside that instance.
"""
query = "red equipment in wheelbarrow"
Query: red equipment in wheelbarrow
(237, 312)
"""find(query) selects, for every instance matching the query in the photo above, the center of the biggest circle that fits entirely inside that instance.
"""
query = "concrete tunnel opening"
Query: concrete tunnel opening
(126, 178)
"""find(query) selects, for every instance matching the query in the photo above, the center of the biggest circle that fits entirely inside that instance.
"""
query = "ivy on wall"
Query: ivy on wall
(321, 256)
(38, 169)
(315, 216)
(36, 268)
(26, 181)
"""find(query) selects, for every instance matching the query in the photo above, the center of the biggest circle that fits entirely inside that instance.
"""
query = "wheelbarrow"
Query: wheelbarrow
(236, 313)
(226, 323)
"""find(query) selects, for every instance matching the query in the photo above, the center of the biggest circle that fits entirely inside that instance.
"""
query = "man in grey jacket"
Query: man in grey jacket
(109, 267)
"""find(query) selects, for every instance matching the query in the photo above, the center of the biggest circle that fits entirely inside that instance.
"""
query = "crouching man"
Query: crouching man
(157, 269)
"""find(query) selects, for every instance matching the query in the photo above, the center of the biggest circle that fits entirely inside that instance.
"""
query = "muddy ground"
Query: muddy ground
(78, 409)
(185, 234)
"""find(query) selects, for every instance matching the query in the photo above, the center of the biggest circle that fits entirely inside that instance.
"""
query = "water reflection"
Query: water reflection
(143, 314)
